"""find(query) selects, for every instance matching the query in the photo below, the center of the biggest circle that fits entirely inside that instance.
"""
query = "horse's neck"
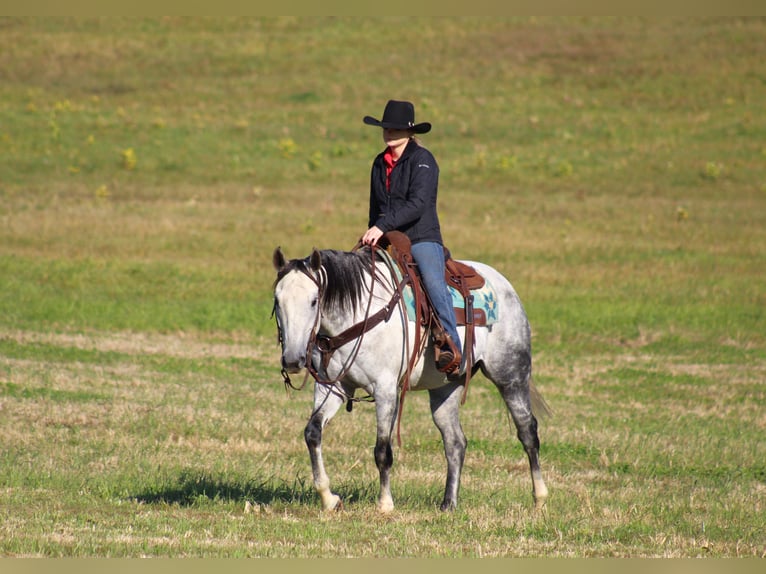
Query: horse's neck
(333, 322)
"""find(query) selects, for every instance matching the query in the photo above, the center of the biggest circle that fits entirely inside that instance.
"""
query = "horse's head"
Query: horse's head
(296, 306)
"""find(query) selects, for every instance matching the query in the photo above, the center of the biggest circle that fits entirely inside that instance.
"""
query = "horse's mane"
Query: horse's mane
(344, 276)
(345, 273)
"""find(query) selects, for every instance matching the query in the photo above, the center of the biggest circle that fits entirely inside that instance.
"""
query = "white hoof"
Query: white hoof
(540, 492)
(385, 506)
(332, 503)
(541, 497)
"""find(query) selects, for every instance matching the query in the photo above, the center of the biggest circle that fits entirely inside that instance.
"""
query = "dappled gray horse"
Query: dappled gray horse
(334, 292)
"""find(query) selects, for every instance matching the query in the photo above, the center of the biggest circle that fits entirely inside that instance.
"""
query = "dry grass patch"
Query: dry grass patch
(183, 345)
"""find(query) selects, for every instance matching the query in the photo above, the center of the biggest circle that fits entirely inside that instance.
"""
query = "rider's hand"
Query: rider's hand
(371, 236)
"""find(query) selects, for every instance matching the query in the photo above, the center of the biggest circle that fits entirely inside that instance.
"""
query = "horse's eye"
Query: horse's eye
(314, 302)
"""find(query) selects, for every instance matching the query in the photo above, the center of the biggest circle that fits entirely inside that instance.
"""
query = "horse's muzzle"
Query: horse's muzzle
(293, 365)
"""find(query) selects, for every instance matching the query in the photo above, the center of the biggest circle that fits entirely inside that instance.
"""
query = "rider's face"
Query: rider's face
(396, 139)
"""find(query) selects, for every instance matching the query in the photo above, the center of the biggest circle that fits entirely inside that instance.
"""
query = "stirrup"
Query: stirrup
(447, 357)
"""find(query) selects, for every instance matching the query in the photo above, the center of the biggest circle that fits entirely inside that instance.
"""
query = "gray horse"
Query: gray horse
(334, 292)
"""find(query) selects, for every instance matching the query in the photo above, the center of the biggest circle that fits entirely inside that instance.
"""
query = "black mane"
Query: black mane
(344, 274)
(344, 271)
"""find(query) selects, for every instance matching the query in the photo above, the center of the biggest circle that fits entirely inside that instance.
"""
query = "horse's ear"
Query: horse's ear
(278, 259)
(316, 260)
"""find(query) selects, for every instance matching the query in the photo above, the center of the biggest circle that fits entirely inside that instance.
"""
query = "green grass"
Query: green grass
(613, 169)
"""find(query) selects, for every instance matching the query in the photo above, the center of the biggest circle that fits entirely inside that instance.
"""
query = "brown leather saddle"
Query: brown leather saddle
(459, 275)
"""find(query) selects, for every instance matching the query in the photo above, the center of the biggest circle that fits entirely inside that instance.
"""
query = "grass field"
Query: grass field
(613, 169)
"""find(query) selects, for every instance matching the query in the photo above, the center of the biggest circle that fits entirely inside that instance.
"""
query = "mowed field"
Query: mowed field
(613, 169)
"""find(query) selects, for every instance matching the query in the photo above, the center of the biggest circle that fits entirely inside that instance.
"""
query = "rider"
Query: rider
(403, 186)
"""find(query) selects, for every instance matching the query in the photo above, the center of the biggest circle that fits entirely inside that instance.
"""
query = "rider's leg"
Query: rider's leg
(429, 257)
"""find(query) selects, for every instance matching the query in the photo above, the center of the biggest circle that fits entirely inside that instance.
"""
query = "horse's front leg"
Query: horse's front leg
(326, 404)
(386, 407)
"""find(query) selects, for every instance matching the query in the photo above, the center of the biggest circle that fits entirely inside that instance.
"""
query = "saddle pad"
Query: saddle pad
(484, 298)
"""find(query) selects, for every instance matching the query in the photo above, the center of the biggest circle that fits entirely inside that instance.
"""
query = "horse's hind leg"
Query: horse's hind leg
(445, 405)
(326, 404)
(526, 426)
(514, 388)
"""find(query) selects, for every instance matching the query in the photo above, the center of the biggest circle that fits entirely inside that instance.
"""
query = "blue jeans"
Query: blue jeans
(429, 257)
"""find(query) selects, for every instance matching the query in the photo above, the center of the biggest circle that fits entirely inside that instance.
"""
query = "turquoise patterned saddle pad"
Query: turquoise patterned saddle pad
(483, 298)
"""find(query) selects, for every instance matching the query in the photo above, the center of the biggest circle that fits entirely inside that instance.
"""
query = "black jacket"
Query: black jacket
(410, 205)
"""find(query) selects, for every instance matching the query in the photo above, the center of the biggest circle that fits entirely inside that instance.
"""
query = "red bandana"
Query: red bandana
(389, 160)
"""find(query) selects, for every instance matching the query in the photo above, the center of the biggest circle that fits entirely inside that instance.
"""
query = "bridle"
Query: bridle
(312, 338)
(327, 345)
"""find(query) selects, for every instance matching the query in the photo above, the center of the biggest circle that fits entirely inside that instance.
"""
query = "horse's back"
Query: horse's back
(501, 284)
(512, 327)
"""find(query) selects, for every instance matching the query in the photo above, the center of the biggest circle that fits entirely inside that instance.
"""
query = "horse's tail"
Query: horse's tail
(540, 407)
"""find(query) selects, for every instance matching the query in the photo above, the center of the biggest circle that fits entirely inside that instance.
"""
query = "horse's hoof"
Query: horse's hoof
(386, 507)
(334, 505)
(540, 494)
(448, 506)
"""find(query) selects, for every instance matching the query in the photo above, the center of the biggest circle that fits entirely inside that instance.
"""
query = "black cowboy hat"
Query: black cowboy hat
(399, 116)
